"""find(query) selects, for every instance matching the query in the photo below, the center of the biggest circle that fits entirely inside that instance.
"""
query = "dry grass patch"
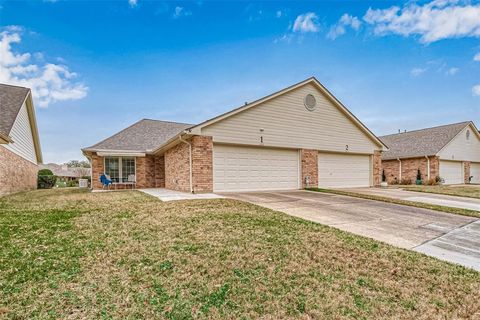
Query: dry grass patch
(470, 191)
(125, 255)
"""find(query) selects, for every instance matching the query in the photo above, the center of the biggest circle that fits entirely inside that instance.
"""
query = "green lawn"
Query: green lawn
(471, 191)
(68, 253)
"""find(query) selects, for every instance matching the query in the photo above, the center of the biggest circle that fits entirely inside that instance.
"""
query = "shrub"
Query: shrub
(46, 179)
(430, 182)
(72, 183)
(406, 181)
(384, 177)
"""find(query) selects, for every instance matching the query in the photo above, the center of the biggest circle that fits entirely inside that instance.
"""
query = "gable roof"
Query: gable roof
(11, 101)
(143, 136)
(422, 142)
(312, 80)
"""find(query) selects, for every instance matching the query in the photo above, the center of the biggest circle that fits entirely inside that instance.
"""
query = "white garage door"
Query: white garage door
(343, 170)
(238, 168)
(475, 172)
(451, 172)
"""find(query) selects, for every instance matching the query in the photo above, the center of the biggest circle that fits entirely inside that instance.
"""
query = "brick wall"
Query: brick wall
(377, 167)
(202, 163)
(177, 166)
(409, 169)
(145, 169)
(466, 172)
(309, 164)
(16, 173)
(160, 172)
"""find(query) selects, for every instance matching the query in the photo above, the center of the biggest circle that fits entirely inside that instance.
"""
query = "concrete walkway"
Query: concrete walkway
(171, 195)
(430, 198)
(443, 235)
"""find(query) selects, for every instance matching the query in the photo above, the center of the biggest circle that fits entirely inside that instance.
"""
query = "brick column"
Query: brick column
(145, 170)
(377, 167)
(160, 172)
(466, 171)
(202, 163)
(309, 162)
(434, 167)
(97, 171)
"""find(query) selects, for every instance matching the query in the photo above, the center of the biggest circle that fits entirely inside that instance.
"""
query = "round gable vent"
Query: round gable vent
(310, 102)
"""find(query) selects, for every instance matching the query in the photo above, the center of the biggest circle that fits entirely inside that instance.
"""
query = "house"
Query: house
(20, 151)
(451, 152)
(301, 136)
(65, 173)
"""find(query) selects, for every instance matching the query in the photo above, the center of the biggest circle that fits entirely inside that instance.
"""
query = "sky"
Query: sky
(96, 67)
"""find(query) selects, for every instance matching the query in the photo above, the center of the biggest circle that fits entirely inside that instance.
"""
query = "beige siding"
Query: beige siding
(22, 137)
(287, 123)
(462, 149)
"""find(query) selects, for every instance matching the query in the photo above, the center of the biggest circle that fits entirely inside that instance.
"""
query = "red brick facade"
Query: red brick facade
(377, 167)
(309, 163)
(16, 173)
(177, 165)
(466, 172)
(409, 169)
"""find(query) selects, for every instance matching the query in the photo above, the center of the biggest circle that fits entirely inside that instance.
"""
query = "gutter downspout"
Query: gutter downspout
(190, 160)
(399, 170)
(428, 167)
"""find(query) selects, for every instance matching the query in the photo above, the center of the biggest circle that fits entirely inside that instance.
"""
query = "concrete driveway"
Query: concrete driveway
(430, 198)
(446, 236)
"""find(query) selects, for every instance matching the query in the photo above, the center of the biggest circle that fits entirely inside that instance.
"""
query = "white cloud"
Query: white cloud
(452, 71)
(133, 3)
(307, 22)
(477, 57)
(49, 82)
(417, 71)
(340, 27)
(476, 90)
(181, 12)
(434, 21)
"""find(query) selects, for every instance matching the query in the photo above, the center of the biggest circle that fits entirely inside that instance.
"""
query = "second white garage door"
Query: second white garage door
(451, 172)
(475, 172)
(238, 168)
(343, 170)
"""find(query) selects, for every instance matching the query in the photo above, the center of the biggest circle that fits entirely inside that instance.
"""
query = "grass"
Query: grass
(460, 211)
(472, 191)
(67, 253)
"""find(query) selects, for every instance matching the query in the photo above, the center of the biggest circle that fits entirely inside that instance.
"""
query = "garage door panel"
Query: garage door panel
(451, 172)
(475, 172)
(343, 170)
(237, 168)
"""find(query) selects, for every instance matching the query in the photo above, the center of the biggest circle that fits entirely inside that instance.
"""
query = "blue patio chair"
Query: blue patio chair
(106, 182)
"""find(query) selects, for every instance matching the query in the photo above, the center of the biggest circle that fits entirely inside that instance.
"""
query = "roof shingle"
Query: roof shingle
(11, 101)
(144, 135)
(420, 143)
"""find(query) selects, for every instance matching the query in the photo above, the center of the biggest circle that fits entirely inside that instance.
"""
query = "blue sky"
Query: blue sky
(95, 67)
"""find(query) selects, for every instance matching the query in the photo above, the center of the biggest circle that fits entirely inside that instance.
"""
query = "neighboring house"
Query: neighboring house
(19, 143)
(297, 137)
(65, 173)
(451, 152)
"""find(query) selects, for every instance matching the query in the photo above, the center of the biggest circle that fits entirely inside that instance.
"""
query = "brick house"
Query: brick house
(20, 151)
(451, 152)
(297, 137)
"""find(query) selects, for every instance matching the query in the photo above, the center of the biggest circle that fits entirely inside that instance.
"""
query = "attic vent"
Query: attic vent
(468, 134)
(310, 102)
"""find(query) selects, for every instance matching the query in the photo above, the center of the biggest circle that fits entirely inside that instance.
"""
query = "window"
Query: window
(128, 168)
(119, 168)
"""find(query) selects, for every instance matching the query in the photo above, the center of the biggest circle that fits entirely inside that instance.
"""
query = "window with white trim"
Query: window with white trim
(119, 168)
